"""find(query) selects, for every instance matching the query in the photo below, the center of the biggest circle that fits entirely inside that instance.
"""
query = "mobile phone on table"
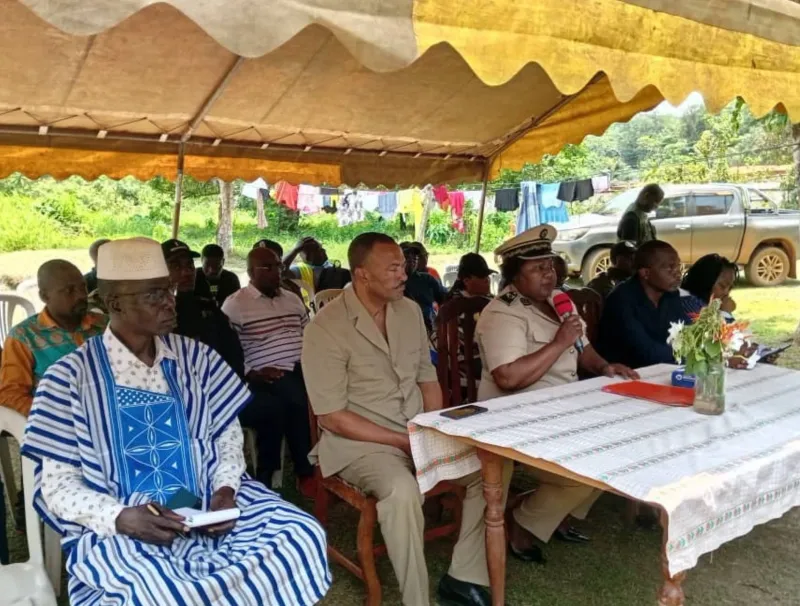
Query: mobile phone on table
(463, 412)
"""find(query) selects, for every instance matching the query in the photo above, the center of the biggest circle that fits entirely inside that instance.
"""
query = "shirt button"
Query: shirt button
(572, 350)
(572, 374)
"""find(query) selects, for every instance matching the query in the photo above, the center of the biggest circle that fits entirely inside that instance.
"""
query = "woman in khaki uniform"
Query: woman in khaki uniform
(525, 346)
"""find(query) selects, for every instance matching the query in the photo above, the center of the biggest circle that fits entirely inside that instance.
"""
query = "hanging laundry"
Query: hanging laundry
(441, 196)
(529, 215)
(457, 201)
(387, 205)
(349, 210)
(553, 210)
(575, 191)
(473, 196)
(309, 202)
(601, 184)
(369, 200)
(329, 191)
(506, 199)
(405, 203)
(286, 194)
(250, 190)
(410, 201)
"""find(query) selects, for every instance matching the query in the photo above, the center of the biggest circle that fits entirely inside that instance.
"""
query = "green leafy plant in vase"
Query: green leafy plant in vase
(704, 347)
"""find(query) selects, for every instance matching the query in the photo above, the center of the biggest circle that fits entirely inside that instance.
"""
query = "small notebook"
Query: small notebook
(662, 394)
(196, 518)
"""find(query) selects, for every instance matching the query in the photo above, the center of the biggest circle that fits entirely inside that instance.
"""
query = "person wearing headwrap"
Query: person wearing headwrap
(137, 419)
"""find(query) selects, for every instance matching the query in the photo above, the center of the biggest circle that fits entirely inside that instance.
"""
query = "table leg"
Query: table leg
(671, 592)
(492, 474)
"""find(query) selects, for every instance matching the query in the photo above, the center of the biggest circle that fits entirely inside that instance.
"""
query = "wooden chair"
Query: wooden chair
(590, 308)
(452, 498)
(458, 316)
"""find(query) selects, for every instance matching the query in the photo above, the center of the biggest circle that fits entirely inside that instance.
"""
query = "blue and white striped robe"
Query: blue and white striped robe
(276, 554)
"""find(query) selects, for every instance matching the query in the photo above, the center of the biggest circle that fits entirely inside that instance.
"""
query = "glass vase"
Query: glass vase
(709, 389)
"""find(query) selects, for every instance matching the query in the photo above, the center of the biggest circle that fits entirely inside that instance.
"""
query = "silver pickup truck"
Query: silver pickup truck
(737, 222)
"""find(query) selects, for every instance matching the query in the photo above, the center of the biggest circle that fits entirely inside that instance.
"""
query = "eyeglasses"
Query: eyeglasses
(154, 296)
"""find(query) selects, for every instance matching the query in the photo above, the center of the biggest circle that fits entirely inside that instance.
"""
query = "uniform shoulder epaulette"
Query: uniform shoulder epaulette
(509, 297)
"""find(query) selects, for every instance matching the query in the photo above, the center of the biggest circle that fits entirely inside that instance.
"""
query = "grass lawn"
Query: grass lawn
(621, 567)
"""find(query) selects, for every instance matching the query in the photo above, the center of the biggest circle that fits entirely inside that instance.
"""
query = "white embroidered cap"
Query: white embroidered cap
(131, 259)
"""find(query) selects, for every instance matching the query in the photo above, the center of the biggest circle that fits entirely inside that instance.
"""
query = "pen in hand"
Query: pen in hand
(154, 510)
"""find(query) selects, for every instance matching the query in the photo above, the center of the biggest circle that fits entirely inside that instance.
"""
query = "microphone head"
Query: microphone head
(563, 304)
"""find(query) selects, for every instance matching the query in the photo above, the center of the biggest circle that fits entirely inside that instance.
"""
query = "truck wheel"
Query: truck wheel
(596, 262)
(769, 266)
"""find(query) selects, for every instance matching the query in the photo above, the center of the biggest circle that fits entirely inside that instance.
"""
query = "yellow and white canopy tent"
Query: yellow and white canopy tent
(392, 92)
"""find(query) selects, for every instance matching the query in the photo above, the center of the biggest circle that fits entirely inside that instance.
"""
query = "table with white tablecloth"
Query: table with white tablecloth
(714, 477)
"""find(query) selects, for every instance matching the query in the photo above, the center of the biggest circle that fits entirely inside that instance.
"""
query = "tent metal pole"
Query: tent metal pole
(486, 168)
(176, 213)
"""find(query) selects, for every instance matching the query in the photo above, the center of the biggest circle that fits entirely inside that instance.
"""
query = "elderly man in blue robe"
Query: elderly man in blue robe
(137, 418)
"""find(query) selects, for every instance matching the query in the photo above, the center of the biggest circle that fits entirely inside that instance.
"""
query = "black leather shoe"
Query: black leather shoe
(531, 554)
(453, 592)
(571, 535)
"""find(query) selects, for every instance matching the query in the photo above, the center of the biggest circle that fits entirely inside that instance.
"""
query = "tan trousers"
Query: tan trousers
(541, 512)
(390, 479)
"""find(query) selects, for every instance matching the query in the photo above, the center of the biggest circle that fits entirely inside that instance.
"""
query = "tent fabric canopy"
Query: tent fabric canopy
(341, 91)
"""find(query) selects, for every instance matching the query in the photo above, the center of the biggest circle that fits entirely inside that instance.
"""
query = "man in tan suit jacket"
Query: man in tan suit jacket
(367, 367)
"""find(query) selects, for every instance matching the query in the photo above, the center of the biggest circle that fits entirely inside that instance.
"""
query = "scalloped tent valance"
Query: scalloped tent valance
(343, 91)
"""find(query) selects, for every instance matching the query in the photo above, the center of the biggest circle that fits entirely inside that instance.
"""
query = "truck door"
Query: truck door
(717, 223)
(673, 224)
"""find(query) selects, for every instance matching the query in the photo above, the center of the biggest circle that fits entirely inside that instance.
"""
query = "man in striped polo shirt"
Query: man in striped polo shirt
(270, 323)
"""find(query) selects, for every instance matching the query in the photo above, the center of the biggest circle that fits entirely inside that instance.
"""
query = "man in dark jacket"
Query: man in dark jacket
(199, 317)
(635, 225)
(622, 255)
(213, 278)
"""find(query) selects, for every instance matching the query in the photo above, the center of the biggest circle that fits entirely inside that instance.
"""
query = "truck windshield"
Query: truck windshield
(619, 204)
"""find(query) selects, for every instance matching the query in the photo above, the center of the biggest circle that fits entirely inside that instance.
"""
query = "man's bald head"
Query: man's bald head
(95, 246)
(264, 268)
(63, 291)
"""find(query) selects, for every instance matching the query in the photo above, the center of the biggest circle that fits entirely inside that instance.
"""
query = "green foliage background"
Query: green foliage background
(692, 147)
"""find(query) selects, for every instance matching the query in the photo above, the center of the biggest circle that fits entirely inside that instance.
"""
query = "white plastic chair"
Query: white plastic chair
(495, 280)
(27, 582)
(30, 290)
(449, 278)
(308, 293)
(8, 307)
(324, 297)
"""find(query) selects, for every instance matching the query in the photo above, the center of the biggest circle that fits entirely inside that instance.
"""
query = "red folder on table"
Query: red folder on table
(663, 394)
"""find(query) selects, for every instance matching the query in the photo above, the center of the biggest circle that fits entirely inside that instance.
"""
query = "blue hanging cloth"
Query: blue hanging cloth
(553, 210)
(529, 212)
